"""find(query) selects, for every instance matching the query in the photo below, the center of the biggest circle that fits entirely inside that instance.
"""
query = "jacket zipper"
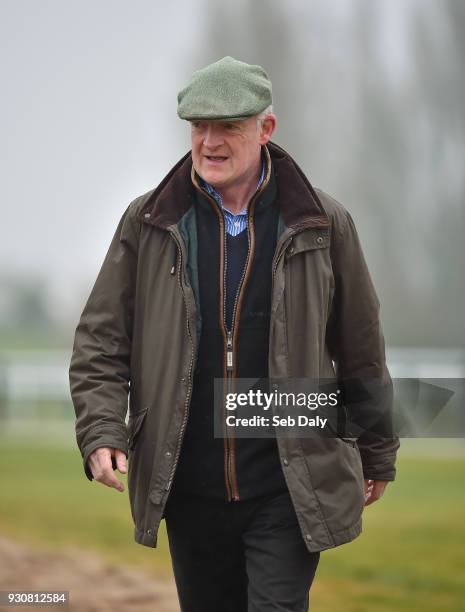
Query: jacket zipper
(232, 338)
(191, 364)
(231, 486)
(227, 370)
(230, 447)
(230, 480)
(230, 335)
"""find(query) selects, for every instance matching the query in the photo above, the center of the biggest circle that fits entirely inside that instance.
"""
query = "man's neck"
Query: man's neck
(236, 197)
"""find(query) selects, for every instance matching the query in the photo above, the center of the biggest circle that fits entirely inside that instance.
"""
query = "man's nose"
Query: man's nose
(212, 137)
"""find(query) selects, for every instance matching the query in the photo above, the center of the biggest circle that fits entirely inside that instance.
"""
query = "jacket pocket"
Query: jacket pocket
(134, 425)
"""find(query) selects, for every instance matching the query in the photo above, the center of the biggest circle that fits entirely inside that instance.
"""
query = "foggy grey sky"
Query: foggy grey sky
(89, 121)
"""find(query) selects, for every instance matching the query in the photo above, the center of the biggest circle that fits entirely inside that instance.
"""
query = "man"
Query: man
(233, 267)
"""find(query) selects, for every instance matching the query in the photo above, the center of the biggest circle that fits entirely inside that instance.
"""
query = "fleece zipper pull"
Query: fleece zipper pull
(229, 352)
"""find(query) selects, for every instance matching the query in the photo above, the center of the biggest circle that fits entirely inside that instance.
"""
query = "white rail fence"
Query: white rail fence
(35, 399)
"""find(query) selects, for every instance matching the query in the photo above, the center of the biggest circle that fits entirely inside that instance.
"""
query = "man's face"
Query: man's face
(227, 153)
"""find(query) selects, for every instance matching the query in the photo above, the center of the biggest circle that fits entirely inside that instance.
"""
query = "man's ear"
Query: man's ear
(267, 128)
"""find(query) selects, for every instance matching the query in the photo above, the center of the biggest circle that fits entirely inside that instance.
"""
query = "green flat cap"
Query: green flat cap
(227, 90)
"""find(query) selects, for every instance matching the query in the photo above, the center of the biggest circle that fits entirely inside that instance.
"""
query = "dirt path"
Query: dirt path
(93, 585)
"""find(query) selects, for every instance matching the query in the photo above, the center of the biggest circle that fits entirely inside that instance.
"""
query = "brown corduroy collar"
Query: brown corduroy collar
(299, 204)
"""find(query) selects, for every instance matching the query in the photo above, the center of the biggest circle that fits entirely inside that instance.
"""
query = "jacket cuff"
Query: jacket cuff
(378, 456)
(104, 437)
(378, 466)
(370, 473)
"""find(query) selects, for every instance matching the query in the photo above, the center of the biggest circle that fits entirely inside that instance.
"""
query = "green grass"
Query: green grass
(47, 500)
(409, 557)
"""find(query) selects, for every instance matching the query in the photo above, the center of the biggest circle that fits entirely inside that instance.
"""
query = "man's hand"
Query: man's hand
(101, 466)
(374, 490)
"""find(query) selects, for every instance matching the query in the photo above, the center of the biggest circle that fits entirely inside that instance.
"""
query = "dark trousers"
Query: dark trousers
(245, 556)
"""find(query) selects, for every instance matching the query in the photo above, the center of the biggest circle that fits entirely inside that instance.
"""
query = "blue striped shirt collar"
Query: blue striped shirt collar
(235, 223)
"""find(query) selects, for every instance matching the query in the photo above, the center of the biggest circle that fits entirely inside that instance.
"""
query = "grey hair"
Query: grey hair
(263, 115)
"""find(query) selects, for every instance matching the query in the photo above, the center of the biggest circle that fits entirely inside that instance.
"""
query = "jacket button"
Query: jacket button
(291, 250)
(319, 239)
(286, 462)
(309, 537)
(147, 215)
(183, 379)
(168, 453)
(149, 531)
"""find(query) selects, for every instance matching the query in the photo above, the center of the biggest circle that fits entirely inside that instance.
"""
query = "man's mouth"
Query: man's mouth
(216, 159)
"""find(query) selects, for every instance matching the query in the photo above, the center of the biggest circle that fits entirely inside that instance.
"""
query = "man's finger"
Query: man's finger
(121, 463)
(107, 477)
(379, 487)
(102, 469)
(376, 491)
(368, 487)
